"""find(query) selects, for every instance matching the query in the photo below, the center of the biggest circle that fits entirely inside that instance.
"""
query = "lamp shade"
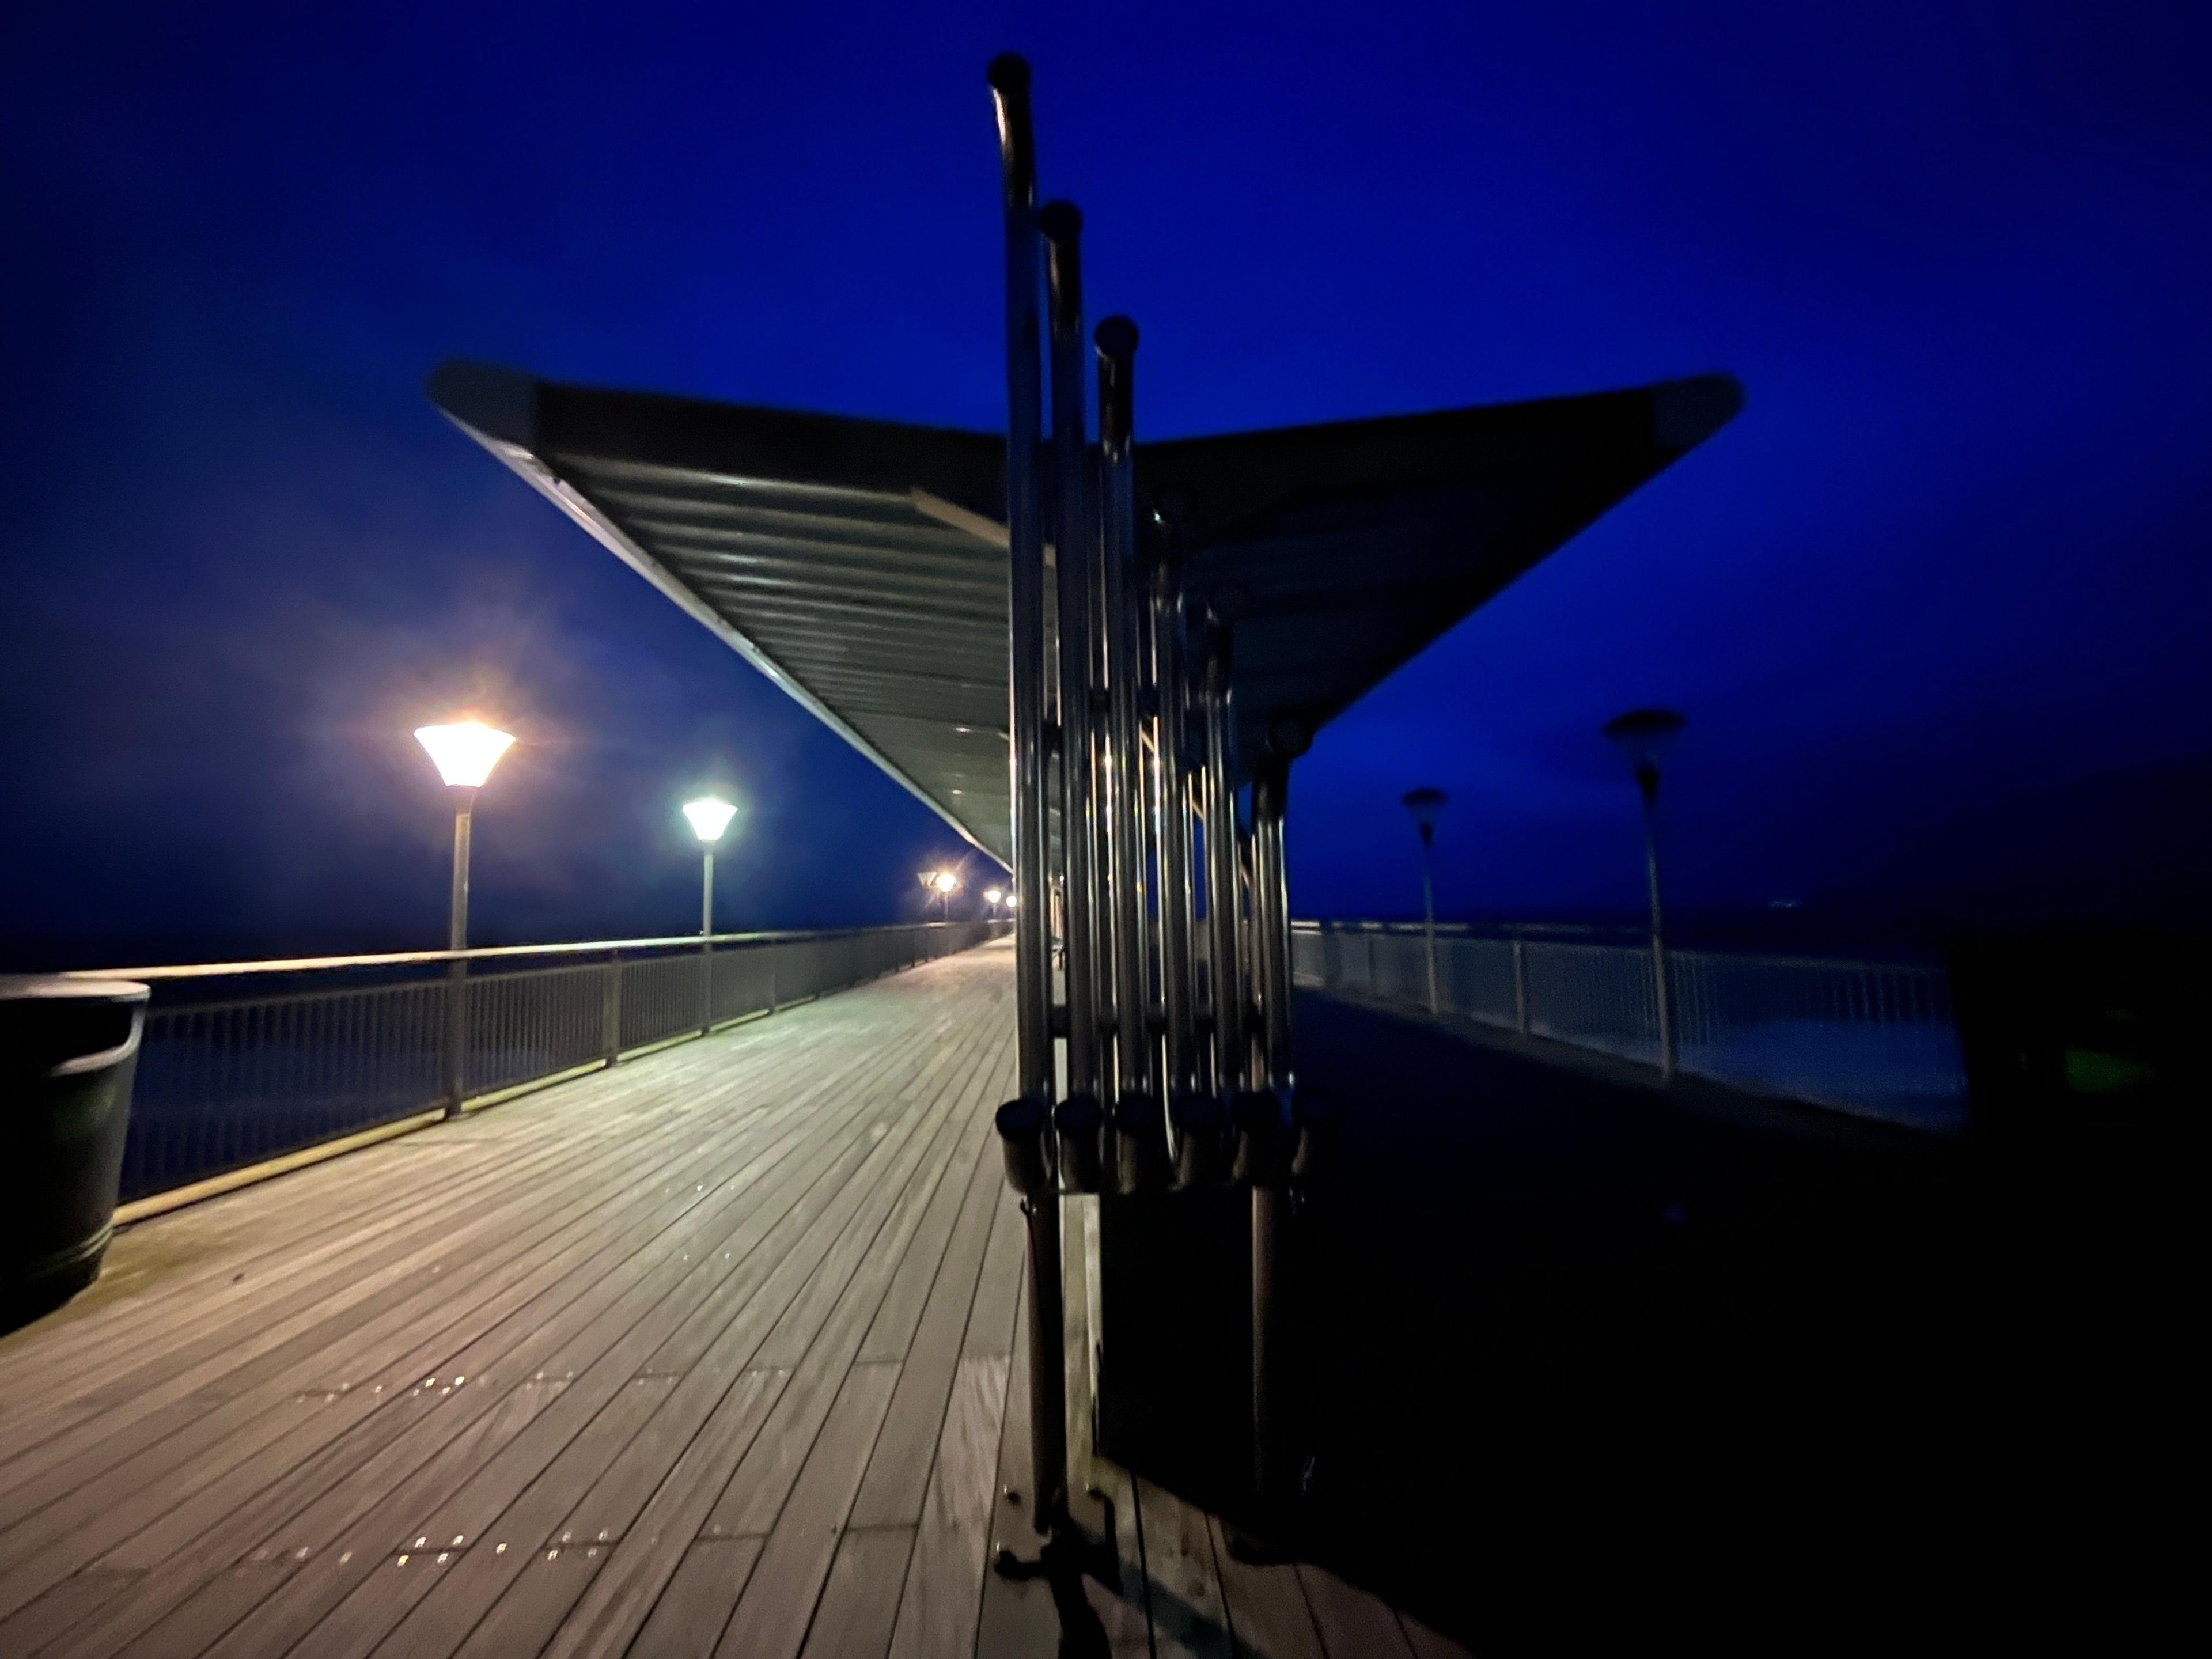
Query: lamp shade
(709, 817)
(1423, 805)
(1645, 734)
(945, 882)
(464, 752)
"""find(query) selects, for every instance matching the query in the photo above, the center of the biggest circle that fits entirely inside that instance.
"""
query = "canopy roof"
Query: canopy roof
(861, 565)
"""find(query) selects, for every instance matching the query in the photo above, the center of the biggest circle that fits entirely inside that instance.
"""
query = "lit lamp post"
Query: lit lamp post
(1425, 805)
(708, 818)
(942, 885)
(993, 896)
(464, 752)
(1643, 735)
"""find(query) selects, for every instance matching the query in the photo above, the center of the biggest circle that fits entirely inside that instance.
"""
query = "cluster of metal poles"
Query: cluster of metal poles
(1173, 946)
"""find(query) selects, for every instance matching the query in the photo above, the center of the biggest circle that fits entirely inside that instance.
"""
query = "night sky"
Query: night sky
(1936, 605)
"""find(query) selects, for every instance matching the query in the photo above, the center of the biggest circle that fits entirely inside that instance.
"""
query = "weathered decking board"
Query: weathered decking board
(715, 1353)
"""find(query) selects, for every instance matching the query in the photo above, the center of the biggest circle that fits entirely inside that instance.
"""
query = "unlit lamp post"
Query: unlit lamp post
(1425, 805)
(1643, 735)
(464, 753)
(708, 818)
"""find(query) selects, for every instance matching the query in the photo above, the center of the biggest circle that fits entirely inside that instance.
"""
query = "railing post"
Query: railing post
(1520, 986)
(611, 1010)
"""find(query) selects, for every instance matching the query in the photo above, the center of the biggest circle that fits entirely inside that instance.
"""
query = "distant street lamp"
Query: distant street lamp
(1425, 805)
(1643, 735)
(709, 817)
(464, 753)
(941, 884)
(993, 896)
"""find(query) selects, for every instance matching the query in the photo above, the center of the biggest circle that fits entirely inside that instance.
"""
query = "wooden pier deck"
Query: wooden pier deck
(716, 1352)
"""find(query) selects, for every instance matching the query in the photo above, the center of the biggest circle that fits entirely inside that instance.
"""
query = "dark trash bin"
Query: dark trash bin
(68, 1049)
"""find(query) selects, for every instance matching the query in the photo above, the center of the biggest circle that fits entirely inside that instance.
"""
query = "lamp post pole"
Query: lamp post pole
(708, 818)
(1643, 736)
(1425, 805)
(465, 752)
(1646, 784)
(456, 938)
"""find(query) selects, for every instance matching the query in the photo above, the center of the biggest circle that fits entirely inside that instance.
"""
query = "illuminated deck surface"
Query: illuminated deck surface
(715, 1352)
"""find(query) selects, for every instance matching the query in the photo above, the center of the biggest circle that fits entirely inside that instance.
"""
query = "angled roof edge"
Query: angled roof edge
(498, 408)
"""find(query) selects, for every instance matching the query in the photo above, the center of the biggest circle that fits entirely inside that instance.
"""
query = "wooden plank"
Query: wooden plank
(1189, 1619)
(1267, 1607)
(496, 1557)
(943, 1593)
(688, 1619)
(778, 1604)
(84, 1539)
(898, 1476)
(817, 1244)
(1353, 1625)
(625, 1590)
(861, 1598)
(524, 1620)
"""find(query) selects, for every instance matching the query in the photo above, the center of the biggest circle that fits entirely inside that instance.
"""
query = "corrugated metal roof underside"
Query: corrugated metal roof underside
(859, 565)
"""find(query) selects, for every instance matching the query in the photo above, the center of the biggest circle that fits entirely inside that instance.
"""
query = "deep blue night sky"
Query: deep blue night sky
(1936, 605)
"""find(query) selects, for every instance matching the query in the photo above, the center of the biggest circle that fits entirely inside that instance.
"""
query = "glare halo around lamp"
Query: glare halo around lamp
(1644, 737)
(465, 752)
(941, 884)
(1425, 805)
(993, 896)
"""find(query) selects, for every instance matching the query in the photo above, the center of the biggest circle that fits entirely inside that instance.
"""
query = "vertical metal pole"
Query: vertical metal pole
(707, 945)
(1428, 906)
(1520, 985)
(1116, 340)
(1270, 1218)
(1010, 84)
(1063, 227)
(1227, 987)
(1173, 793)
(1647, 780)
(457, 973)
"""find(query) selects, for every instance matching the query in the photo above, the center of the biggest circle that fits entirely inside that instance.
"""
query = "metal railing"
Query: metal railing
(1873, 1038)
(326, 1047)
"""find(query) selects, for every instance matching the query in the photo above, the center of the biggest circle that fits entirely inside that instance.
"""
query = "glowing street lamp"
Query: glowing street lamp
(1643, 736)
(709, 819)
(465, 752)
(941, 884)
(994, 897)
(1425, 805)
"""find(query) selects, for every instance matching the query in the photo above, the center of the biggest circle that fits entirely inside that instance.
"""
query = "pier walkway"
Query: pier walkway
(713, 1352)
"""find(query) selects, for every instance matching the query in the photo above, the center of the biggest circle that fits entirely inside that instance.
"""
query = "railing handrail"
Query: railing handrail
(1624, 937)
(413, 959)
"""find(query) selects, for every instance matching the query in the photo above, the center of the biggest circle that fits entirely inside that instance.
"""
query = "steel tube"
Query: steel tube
(1171, 791)
(1063, 227)
(1271, 1437)
(1271, 918)
(1225, 990)
(1116, 340)
(1009, 78)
